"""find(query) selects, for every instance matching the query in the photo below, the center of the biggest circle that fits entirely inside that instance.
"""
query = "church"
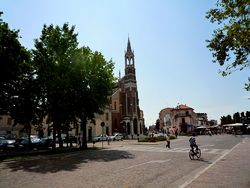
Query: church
(123, 114)
(127, 117)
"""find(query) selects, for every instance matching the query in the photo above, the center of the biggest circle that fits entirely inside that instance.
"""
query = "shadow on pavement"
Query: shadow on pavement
(64, 161)
(205, 161)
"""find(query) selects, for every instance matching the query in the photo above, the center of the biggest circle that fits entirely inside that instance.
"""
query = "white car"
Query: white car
(100, 138)
(116, 136)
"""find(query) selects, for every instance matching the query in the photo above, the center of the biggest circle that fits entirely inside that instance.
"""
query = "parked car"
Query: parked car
(3, 144)
(63, 137)
(45, 142)
(2, 137)
(8, 145)
(100, 138)
(34, 143)
(116, 137)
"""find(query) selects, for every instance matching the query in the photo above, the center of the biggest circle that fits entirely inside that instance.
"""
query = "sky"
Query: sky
(173, 64)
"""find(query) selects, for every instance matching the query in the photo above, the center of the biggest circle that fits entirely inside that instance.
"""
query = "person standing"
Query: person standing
(168, 141)
(176, 132)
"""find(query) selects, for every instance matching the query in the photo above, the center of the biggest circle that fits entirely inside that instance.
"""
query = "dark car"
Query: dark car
(8, 145)
(3, 144)
(45, 142)
(2, 137)
(34, 143)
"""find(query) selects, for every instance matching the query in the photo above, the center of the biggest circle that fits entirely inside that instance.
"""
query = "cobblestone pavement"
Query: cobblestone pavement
(129, 164)
(231, 170)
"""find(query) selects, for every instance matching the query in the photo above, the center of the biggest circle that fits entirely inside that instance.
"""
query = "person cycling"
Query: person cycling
(192, 142)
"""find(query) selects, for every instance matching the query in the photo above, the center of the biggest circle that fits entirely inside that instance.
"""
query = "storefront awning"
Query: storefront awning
(233, 125)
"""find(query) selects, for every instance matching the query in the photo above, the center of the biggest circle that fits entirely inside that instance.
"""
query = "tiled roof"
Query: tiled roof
(183, 107)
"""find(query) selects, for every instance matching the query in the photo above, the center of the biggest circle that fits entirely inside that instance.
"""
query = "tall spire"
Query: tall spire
(129, 55)
(129, 46)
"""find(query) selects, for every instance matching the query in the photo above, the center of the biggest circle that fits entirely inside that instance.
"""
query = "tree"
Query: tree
(53, 57)
(248, 116)
(17, 96)
(231, 42)
(25, 105)
(157, 124)
(92, 84)
(226, 120)
(236, 117)
(75, 83)
(14, 66)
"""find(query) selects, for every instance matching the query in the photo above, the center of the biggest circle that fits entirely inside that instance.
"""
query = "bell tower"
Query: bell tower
(130, 91)
(127, 116)
(129, 64)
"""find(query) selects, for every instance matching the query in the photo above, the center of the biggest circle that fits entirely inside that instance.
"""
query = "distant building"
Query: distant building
(212, 122)
(165, 119)
(201, 119)
(7, 128)
(180, 119)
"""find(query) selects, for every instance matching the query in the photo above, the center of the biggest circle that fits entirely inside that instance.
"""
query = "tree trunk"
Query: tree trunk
(29, 133)
(54, 137)
(84, 133)
(60, 138)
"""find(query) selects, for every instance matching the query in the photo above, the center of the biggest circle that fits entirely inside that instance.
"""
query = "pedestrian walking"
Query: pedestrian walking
(109, 139)
(168, 141)
(209, 132)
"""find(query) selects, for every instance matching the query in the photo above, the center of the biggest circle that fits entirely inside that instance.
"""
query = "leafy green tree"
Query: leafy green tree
(157, 125)
(248, 116)
(231, 42)
(226, 120)
(25, 106)
(223, 120)
(18, 95)
(53, 57)
(236, 117)
(92, 84)
(14, 58)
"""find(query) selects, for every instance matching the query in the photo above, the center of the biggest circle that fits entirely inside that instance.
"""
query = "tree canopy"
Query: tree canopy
(75, 82)
(230, 44)
(19, 91)
(56, 81)
(14, 66)
(237, 118)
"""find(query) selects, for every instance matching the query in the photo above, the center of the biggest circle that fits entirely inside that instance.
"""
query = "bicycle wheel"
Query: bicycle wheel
(191, 155)
(198, 153)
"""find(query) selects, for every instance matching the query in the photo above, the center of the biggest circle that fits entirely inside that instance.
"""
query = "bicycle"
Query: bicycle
(195, 154)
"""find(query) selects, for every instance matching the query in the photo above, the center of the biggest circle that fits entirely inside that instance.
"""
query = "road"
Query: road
(131, 164)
